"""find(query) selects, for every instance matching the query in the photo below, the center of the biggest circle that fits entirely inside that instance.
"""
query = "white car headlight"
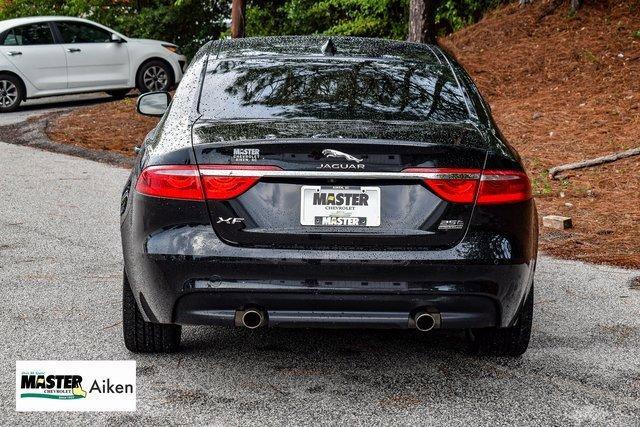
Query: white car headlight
(173, 48)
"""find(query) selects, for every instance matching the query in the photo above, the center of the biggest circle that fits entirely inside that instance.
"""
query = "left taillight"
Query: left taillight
(224, 182)
(209, 182)
(171, 182)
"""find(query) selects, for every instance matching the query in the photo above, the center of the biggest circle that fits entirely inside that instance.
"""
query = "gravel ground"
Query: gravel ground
(60, 265)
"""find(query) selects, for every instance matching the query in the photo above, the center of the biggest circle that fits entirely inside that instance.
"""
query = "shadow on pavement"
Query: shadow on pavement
(326, 343)
(57, 103)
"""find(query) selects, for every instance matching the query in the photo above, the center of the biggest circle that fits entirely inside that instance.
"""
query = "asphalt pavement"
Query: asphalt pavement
(38, 107)
(60, 275)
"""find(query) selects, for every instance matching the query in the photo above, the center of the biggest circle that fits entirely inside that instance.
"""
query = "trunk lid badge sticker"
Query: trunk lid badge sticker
(246, 154)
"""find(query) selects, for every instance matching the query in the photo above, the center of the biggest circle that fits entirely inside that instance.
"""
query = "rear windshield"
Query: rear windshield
(274, 88)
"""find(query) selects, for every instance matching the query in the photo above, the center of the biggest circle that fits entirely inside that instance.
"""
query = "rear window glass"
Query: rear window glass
(27, 35)
(259, 88)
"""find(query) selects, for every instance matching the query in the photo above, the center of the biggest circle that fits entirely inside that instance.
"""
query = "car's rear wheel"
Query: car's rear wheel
(11, 93)
(154, 76)
(512, 341)
(141, 336)
(118, 94)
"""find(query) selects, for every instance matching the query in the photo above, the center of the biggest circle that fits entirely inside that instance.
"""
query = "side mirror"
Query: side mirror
(117, 39)
(153, 103)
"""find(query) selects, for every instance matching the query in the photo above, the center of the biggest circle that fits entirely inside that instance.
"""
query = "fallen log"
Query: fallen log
(554, 171)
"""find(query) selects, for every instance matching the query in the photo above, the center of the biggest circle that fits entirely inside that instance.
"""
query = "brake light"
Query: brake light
(461, 185)
(237, 181)
(498, 187)
(210, 182)
(171, 182)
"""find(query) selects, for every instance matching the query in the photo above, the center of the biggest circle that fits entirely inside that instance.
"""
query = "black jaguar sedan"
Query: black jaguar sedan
(331, 183)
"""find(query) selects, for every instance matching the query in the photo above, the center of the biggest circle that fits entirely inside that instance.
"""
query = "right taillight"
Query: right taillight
(463, 186)
(500, 186)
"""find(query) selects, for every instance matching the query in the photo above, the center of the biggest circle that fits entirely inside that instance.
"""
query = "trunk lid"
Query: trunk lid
(346, 169)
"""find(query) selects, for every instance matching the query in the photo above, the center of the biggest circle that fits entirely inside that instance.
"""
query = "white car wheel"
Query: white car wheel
(10, 93)
(154, 77)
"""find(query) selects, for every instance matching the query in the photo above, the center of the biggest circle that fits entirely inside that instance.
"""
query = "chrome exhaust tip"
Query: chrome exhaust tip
(252, 318)
(424, 322)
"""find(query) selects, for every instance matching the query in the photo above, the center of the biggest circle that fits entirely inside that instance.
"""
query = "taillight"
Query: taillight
(171, 182)
(498, 186)
(452, 185)
(224, 182)
(210, 182)
(461, 185)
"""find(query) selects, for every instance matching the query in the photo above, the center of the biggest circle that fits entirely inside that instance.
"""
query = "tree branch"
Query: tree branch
(553, 172)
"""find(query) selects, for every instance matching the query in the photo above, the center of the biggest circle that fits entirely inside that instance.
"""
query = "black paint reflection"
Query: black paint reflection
(331, 90)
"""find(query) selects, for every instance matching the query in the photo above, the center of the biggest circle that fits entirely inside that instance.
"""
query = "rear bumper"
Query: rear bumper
(183, 273)
(351, 290)
(301, 308)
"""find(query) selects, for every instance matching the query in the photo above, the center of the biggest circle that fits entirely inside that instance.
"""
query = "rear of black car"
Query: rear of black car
(367, 187)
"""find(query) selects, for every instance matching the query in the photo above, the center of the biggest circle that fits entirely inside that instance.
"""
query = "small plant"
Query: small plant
(542, 184)
(589, 56)
(636, 34)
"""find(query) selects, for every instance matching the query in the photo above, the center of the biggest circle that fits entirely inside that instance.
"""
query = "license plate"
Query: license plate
(340, 206)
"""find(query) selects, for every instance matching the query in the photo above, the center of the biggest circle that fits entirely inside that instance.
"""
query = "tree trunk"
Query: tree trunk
(237, 18)
(422, 21)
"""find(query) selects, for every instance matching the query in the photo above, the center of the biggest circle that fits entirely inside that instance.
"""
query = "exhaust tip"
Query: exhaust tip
(253, 319)
(425, 322)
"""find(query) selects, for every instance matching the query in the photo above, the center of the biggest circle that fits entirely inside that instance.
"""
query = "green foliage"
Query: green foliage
(455, 14)
(375, 18)
(372, 18)
(188, 23)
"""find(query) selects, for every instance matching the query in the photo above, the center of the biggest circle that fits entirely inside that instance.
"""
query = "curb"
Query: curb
(32, 133)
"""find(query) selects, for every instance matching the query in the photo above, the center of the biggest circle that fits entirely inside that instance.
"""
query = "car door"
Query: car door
(32, 50)
(93, 60)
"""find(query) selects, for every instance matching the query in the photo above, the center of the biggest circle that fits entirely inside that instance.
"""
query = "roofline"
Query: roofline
(9, 23)
(426, 46)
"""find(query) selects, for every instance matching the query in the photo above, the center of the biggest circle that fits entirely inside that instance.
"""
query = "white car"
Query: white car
(54, 55)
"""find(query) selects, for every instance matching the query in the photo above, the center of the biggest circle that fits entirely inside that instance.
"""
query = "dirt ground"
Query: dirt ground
(562, 88)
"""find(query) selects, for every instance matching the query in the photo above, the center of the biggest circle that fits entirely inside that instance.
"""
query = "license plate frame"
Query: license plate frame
(343, 211)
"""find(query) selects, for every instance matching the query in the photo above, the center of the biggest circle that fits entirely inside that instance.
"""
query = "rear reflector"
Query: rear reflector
(461, 185)
(170, 182)
(186, 182)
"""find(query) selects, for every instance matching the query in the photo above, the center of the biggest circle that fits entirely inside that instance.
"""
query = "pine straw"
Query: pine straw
(560, 93)
(113, 126)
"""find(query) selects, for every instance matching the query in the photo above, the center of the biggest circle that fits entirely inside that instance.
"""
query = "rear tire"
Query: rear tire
(118, 94)
(11, 93)
(512, 341)
(154, 76)
(141, 336)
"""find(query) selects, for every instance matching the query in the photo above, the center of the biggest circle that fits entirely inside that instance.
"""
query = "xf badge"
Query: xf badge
(229, 220)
